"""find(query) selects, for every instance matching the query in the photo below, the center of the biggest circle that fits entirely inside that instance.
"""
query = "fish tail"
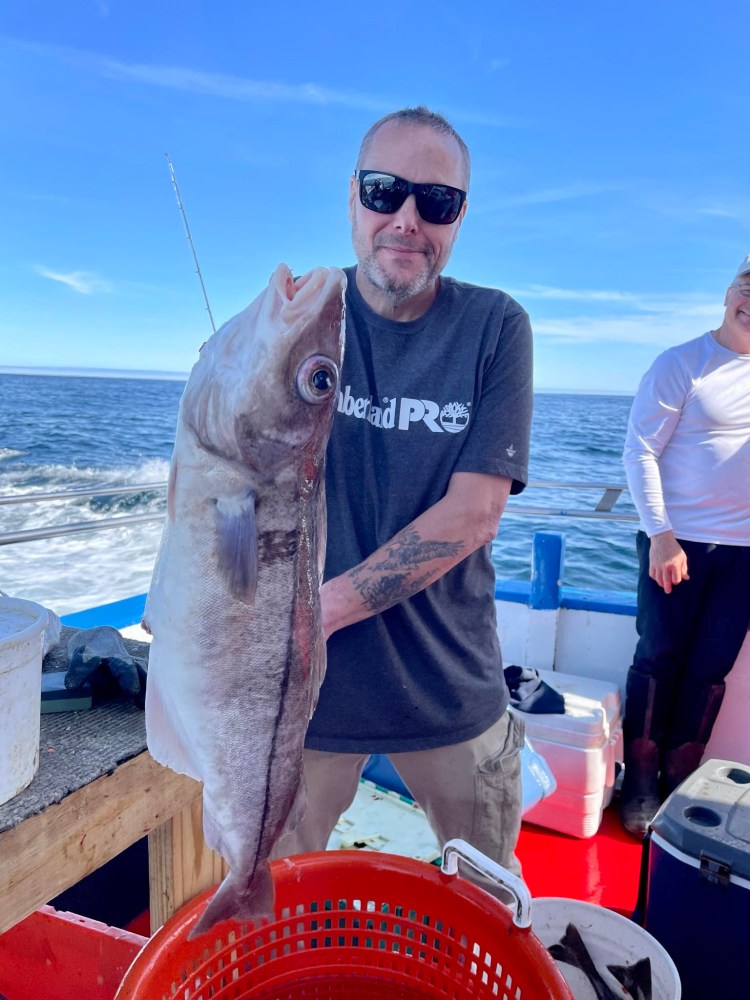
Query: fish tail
(238, 899)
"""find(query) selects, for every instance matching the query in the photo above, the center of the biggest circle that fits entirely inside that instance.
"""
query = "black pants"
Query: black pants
(690, 638)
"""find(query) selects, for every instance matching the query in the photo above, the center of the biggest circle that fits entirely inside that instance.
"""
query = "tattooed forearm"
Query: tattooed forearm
(392, 579)
(383, 592)
(407, 551)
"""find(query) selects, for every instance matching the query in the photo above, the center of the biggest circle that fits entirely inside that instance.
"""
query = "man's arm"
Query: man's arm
(667, 558)
(656, 411)
(433, 543)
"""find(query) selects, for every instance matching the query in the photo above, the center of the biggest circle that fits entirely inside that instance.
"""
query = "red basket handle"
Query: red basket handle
(455, 849)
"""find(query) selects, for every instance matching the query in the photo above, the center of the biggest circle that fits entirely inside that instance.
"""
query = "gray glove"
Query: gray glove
(98, 655)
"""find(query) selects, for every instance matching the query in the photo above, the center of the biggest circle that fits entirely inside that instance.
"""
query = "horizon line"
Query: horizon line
(70, 371)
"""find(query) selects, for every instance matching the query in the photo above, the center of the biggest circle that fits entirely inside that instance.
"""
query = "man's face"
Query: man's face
(401, 255)
(737, 304)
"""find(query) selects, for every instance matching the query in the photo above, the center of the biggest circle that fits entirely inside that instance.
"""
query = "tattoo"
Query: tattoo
(385, 591)
(405, 553)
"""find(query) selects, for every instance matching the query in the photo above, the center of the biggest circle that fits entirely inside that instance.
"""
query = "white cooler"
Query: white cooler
(581, 748)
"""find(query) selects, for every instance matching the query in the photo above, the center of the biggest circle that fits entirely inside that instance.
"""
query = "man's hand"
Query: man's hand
(667, 561)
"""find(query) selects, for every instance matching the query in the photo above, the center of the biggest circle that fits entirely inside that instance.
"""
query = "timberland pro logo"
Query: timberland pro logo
(404, 413)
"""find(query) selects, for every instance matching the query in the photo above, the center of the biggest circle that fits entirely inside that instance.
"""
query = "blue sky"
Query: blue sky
(610, 147)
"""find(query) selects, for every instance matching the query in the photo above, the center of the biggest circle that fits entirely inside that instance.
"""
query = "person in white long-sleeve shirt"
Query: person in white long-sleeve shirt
(687, 460)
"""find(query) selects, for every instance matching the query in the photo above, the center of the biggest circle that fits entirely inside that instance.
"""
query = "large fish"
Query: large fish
(238, 652)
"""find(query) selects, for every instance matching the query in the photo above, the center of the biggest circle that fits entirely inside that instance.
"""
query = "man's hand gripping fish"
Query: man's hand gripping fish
(238, 652)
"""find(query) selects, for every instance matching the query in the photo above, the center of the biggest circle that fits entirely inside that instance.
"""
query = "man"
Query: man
(430, 437)
(687, 458)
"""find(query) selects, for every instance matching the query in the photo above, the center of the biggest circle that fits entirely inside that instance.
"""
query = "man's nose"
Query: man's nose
(407, 218)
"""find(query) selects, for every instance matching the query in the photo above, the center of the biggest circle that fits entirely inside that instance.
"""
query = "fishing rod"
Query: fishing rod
(190, 240)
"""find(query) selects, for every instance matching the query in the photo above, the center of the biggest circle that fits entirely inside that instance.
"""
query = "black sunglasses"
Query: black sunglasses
(386, 193)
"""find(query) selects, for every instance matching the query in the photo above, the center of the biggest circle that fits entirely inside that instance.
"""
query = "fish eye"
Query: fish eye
(317, 378)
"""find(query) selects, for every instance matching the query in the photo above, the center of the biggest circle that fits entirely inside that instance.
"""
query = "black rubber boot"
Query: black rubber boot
(694, 718)
(639, 796)
(646, 708)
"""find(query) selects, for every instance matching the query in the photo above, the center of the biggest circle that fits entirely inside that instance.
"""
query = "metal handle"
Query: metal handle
(455, 849)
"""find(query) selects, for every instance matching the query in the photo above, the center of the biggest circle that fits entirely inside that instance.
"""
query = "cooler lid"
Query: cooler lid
(592, 710)
(710, 812)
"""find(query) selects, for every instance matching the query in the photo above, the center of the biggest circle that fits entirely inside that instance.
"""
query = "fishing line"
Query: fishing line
(190, 240)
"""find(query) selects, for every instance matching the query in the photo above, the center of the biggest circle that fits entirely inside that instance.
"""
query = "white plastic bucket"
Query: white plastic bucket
(22, 625)
(610, 939)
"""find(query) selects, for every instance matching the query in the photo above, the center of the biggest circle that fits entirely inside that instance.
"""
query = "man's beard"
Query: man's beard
(397, 290)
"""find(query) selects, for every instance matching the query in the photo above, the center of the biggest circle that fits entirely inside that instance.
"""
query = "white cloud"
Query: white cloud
(570, 294)
(547, 196)
(239, 88)
(688, 209)
(688, 304)
(627, 317)
(83, 282)
(235, 88)
(661, 330)
(722, 213)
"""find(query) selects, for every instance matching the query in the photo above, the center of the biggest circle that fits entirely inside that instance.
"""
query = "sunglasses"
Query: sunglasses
(438, 204)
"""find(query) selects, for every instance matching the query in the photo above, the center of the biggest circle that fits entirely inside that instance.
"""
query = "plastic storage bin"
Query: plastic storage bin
(53, 955)
(698, 894)
(352, 925)
(581, 748)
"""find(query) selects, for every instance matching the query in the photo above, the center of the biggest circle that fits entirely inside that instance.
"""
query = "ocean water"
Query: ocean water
(66, 432)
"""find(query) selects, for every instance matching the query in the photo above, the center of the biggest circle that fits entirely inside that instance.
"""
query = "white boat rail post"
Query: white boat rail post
(455, 849)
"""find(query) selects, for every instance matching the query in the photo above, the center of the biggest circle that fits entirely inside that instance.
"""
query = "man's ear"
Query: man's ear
(460, 220)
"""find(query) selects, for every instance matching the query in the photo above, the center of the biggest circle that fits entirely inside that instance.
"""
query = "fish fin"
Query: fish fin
(572, 950)
(238, 900)
(635, 978)
(237, 545)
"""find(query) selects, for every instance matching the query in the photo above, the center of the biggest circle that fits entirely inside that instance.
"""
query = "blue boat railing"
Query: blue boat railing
(602, 511)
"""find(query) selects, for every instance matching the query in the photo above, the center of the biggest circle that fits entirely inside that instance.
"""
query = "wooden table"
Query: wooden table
(98, 791)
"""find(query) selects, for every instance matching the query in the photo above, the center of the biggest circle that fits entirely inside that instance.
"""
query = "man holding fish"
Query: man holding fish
(430, 436)
(430, 414)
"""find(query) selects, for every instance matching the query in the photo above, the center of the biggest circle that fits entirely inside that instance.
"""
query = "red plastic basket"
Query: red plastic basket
(354, 925)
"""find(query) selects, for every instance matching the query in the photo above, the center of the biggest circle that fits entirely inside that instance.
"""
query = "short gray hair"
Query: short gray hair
(416, 116)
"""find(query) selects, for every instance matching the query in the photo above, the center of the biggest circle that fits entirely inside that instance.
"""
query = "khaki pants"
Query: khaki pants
(470, 790)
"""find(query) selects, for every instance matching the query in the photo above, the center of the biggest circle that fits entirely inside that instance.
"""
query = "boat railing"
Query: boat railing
(78, 527)
(602, 510)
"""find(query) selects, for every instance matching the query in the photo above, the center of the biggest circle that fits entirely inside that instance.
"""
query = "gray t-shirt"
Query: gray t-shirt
(448, 392)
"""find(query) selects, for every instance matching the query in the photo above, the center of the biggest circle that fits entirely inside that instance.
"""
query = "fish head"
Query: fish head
(265, 388)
